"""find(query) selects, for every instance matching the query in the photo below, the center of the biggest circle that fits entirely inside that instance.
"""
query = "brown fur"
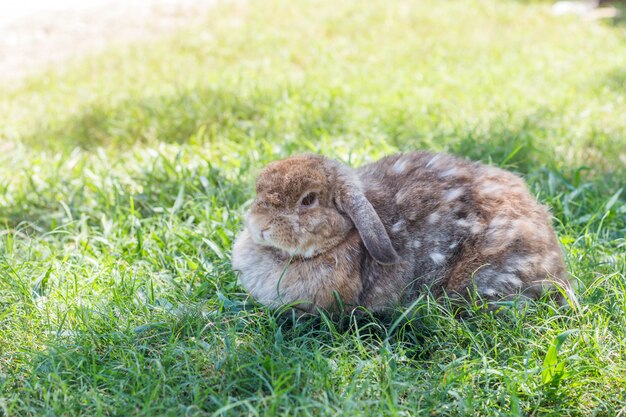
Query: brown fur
(422, 220)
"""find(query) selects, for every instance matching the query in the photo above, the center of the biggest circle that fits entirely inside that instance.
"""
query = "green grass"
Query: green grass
(124, 176)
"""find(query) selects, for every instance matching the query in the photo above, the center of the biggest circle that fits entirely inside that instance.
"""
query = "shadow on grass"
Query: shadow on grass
(170, 119)
(215, 112)
(294, 119)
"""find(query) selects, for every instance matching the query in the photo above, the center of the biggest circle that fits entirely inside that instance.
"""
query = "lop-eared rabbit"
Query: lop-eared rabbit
(321, 235)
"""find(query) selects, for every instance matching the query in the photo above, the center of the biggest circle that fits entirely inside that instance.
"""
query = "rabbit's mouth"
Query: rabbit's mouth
(304, 251)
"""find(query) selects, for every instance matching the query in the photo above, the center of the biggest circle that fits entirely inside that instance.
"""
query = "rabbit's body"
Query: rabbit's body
(441, 222)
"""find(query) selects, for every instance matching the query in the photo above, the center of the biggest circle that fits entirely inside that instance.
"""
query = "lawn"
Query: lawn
(124, 177)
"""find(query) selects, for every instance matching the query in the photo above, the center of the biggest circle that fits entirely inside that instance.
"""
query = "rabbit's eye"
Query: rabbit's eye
(309, 200)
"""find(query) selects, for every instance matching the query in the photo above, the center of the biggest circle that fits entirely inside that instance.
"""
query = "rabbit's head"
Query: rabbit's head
(307, 205)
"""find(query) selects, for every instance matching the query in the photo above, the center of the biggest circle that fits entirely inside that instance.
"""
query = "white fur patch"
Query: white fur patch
(416, 243)
(453, 194)
(437, 257)
(489, 292)
(433, 160)
(258, 274)
(399, 166)
(519, 263)
(491, 278)
(463, 223)
(398, 226)
(510, 279)
(402, 196)
(474, 226)
(433, 217)
(452, 172)
(498, 221)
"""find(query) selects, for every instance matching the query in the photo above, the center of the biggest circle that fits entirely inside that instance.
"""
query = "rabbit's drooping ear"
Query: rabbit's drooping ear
(354, 203)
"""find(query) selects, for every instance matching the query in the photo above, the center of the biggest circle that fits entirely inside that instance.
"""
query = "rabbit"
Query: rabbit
(321, 235)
